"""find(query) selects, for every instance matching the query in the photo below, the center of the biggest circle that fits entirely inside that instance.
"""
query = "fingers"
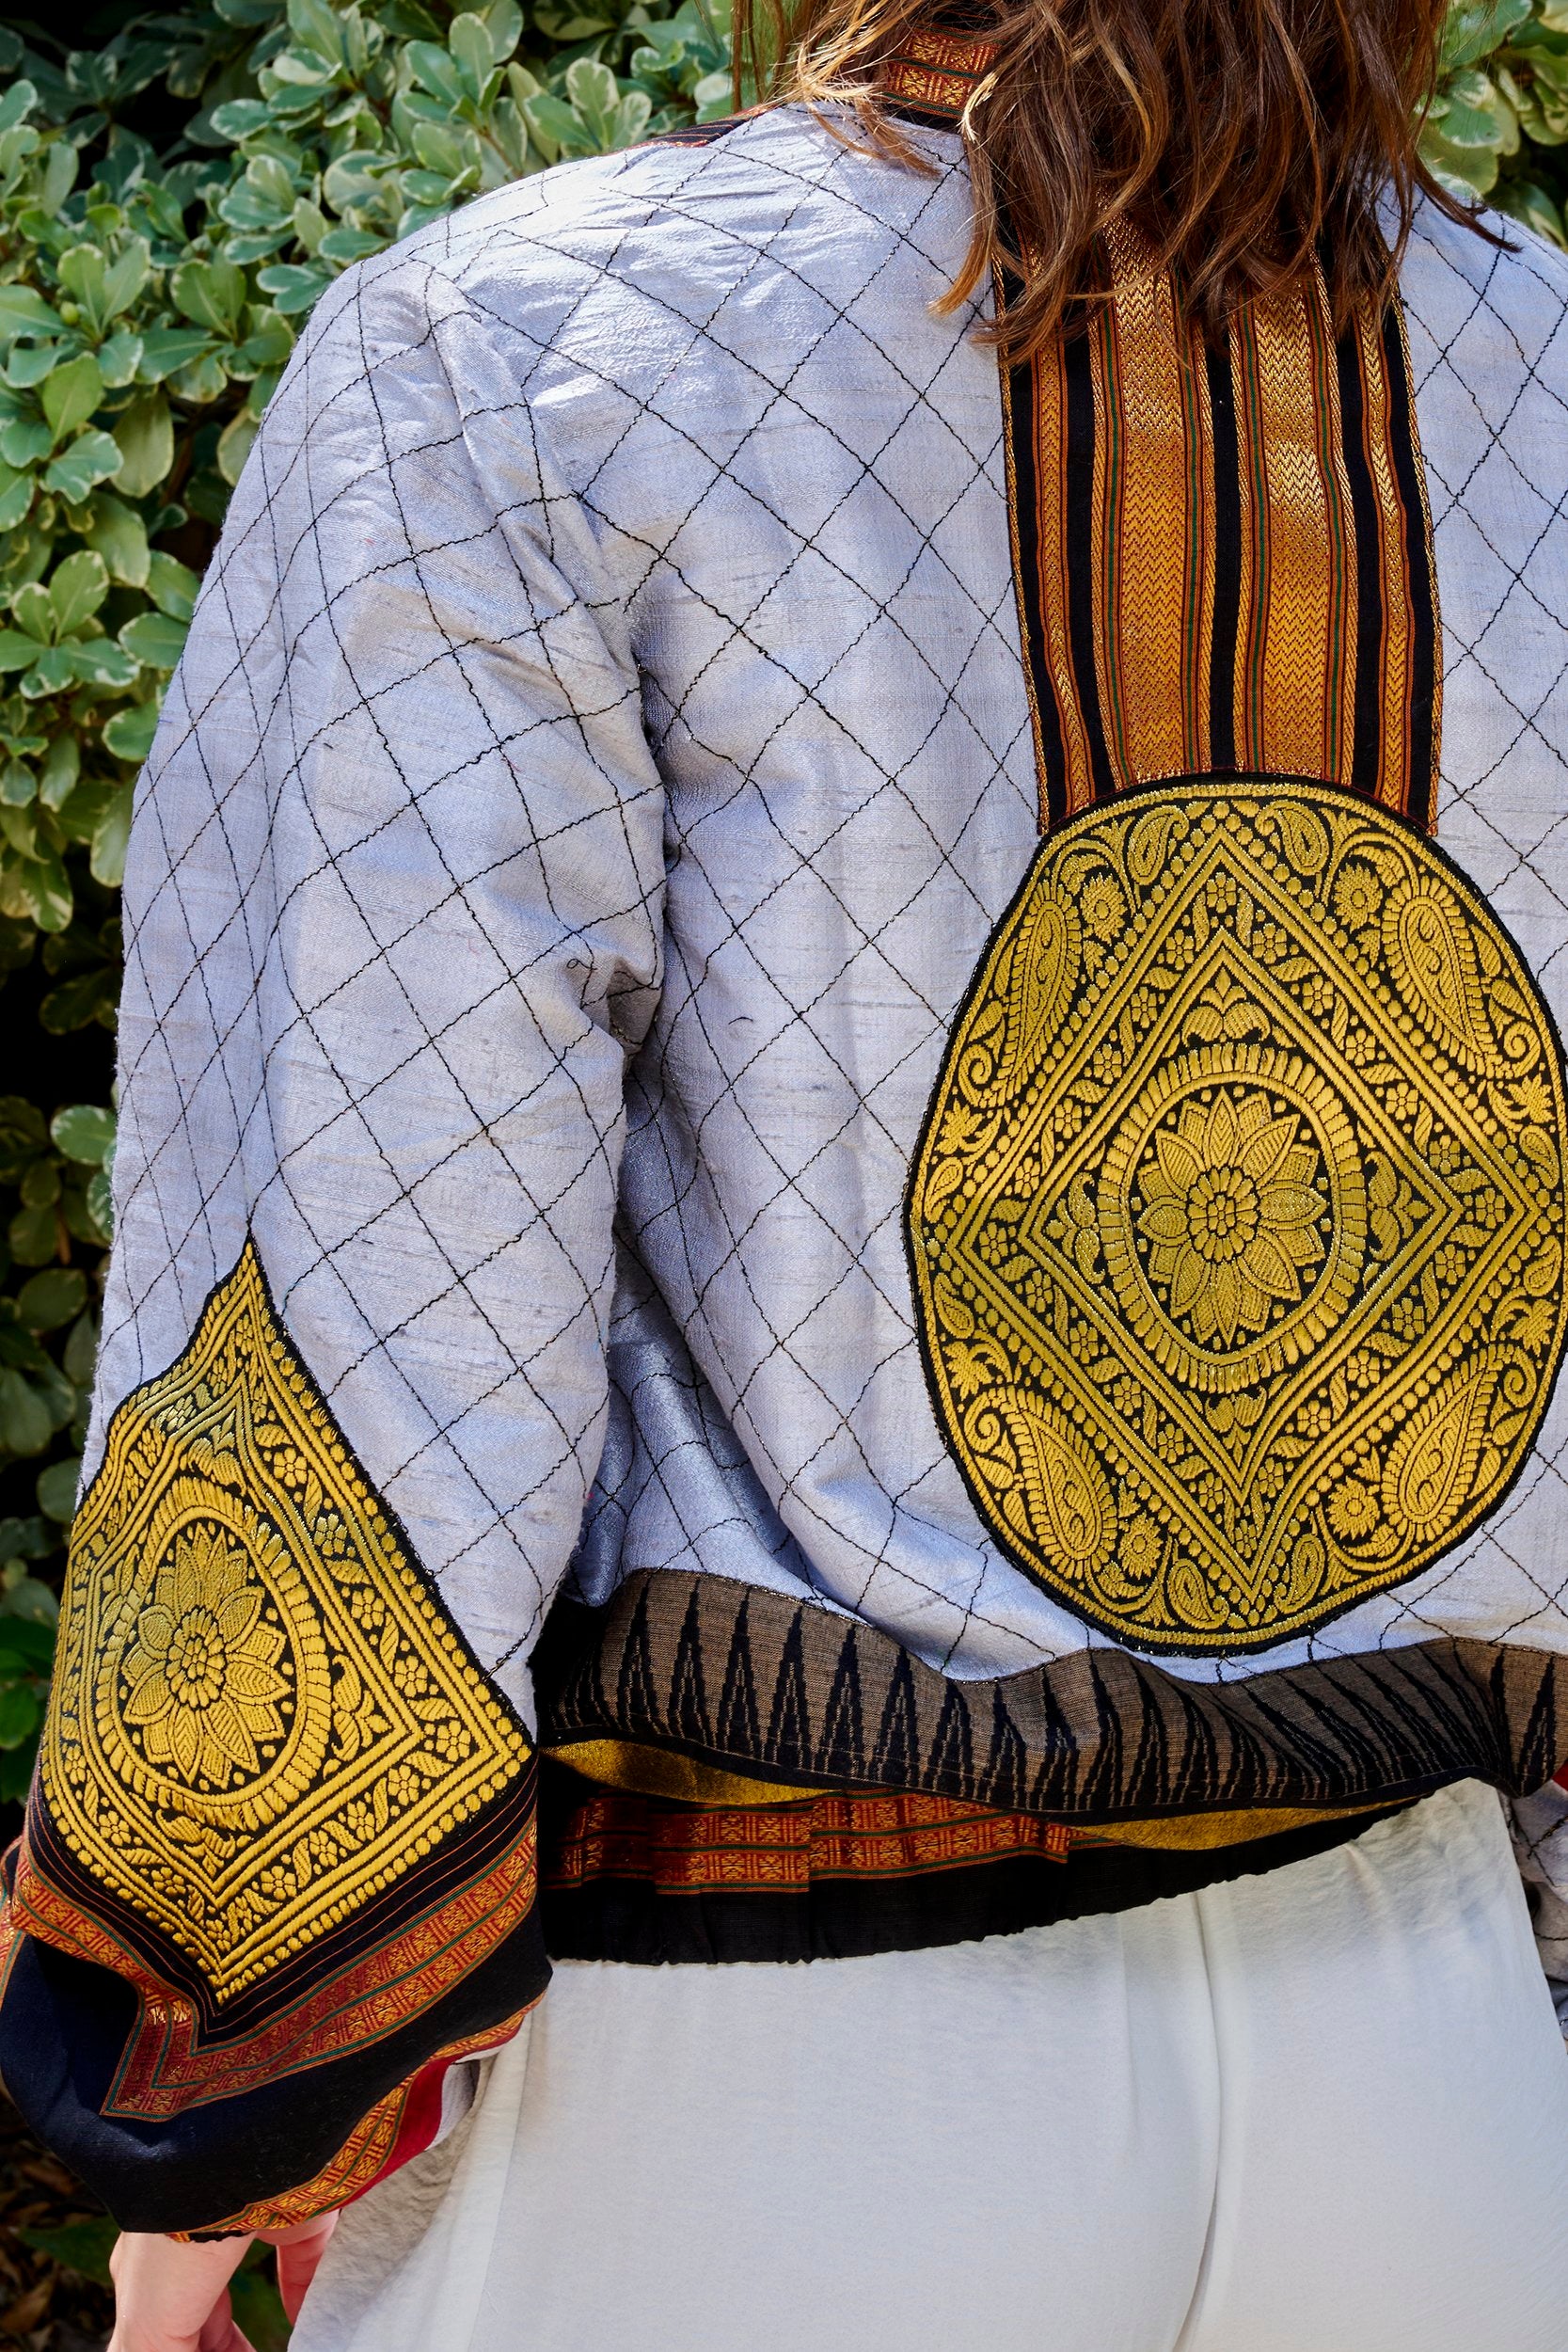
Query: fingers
(299, 2251)
(220, 2334)
(173, 2297)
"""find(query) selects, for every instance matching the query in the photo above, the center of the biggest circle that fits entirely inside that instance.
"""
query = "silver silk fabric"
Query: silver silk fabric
(600, 758)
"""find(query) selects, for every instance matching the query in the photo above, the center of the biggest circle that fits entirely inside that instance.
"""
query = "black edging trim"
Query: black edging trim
(1078, 376)
(1421, 571)
(844, 1918)
(704, 133)
(1367, 725)
(66, 2024)
(1227, 491)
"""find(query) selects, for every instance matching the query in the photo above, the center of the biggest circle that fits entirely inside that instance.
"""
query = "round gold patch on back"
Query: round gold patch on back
(1237, 1223)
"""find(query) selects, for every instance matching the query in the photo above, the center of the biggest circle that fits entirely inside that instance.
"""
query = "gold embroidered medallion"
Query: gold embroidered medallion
(1237, 1224)
(262, 1716)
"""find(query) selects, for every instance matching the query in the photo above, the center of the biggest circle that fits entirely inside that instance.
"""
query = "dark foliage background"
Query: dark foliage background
(175, 190)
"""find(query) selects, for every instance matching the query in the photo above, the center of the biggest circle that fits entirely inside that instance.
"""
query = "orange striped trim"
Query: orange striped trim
(1223, 554)
(169, 2066)
(373, 2148)
(690, 1850)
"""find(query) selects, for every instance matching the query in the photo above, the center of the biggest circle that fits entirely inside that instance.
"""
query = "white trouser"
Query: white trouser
(1324, 2111)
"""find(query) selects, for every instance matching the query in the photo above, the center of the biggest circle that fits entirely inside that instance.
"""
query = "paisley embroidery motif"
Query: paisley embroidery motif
(262, 1715)
(1239, 1260)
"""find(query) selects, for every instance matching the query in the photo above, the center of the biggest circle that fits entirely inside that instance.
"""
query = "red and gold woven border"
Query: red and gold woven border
(690, 1850)
(167, 2066)
(399, 2126)
(937, 72)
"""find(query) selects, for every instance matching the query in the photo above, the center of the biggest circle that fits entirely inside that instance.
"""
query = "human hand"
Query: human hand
(299, 2250)
(171, 2297)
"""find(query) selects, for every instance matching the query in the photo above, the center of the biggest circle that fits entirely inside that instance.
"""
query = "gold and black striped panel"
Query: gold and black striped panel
(1223, 554)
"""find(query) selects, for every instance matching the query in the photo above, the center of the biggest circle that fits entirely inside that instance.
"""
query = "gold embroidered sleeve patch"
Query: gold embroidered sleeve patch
(1236, 1222)
(263, 1716)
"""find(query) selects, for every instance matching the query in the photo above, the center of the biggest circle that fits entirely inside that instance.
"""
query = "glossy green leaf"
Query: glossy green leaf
(205, 380)
(234, 445)
(91, 458)
(502, 21)
(76, 589)
(469, 43)
(46, 894)
(108, 862)
(291, 287)
(98, 661)
(41, 1185)
(24, 312)
(241, 118)
(155, 639)
(70, 394)
(436, 70)
(16, 496)
(58, 770)
(211, 293)
(1474, 28)
(144, 435)
(167, 349)
(48, 1299)
(119, 535)
(20, 1710)
(173, 586)
(84, 1133)
(129, 733)
(317, 27)
(24, 440)
(51, 673)
(29, 363)
(83, 272)
(56, 1486)
(100, 1204)
(26, 1423)
(81, 1352)
(33, 610)
(18, 651)
(120, 356)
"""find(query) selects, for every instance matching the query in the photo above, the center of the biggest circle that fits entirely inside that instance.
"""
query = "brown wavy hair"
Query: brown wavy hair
(1238, 137)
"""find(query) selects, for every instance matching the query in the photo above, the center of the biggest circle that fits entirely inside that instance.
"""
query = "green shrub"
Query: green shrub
(170, 207)
(171, 204)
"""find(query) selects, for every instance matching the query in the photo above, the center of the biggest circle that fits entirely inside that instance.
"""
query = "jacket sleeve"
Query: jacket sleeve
(394, 910)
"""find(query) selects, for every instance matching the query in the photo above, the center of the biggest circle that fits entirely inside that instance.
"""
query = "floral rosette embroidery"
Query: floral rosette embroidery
(1237, 1223)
